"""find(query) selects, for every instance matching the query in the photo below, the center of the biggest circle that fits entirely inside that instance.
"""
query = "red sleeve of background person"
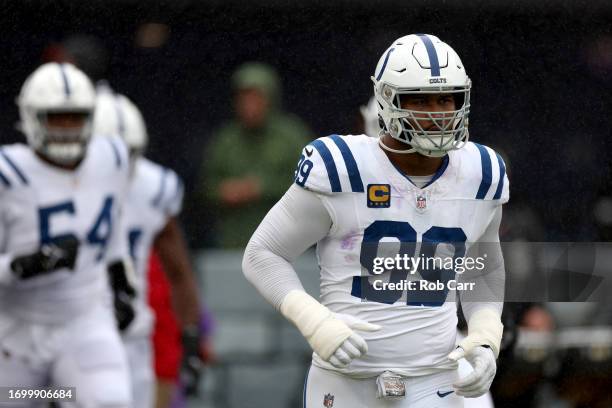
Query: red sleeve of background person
(167, 349)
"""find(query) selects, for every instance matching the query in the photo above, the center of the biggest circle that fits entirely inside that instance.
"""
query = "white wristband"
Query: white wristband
(484, 328)
(322, 330)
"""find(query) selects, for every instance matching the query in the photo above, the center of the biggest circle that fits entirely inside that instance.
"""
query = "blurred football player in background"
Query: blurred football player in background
(422, 183)
(153, 202)
(60, 232)
(167, 347)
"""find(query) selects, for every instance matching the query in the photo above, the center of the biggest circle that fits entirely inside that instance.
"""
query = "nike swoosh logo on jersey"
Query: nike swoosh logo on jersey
(444, 394)
(309, 152)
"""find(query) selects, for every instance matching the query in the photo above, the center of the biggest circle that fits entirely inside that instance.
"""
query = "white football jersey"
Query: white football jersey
(39, 203)
(155, 194)
(374, 208)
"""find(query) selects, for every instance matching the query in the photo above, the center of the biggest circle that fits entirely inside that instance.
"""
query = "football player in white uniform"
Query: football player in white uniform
(369, 113)
(421, 189)
(59, 230)
(152, 204)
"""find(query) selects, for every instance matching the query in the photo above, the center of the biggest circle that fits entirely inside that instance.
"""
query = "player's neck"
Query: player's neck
(412, 164)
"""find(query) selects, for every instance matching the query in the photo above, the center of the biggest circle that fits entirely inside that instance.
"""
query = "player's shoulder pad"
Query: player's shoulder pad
(114, 149)
(330, 165)
(15, 169)
(167, 186)
(485, 173)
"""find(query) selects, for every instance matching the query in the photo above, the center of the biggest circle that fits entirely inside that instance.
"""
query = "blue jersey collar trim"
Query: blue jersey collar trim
(435, 177)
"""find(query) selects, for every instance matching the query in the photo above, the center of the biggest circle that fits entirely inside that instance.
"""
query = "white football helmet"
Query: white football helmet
(116, 115)
(369, 113)
(54, 89)
(422, 64)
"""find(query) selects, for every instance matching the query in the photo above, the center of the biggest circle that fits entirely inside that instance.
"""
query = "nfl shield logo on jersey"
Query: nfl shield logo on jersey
(328, 401)
(421, 202)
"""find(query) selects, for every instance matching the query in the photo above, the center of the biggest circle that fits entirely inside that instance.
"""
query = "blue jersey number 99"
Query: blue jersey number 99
(407, 237)
(302, 171)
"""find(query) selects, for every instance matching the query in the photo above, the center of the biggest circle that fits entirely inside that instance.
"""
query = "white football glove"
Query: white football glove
(478, 381)
(354, 346)
(329, 334)
(480, 348)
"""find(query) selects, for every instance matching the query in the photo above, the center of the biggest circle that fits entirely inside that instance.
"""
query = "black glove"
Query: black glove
(123, 294)
(192, 362)
(49, 258)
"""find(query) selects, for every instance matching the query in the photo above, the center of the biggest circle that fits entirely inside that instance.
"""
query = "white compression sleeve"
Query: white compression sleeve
(483, 305)
(295, 223)
(489, 283)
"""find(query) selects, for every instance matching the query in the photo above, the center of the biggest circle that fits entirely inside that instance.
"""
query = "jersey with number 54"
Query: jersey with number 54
(40, 203)
(376, 211)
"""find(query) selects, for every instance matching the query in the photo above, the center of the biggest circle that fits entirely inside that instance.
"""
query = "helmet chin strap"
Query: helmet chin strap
(387, 148)
(430, 153)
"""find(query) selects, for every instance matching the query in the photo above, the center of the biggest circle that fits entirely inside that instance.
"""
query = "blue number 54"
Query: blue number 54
(98, 234)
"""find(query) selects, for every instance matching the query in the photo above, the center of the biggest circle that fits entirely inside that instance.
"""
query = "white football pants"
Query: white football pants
(85, 352)
(428, 391)
(140, 359)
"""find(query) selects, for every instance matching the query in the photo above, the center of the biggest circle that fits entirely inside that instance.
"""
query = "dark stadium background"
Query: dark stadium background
(541, 73)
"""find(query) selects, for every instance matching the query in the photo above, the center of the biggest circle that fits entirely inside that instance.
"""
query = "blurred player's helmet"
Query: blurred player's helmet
(422, 64)
(116, 115)
(369, 113)
(55, 89)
